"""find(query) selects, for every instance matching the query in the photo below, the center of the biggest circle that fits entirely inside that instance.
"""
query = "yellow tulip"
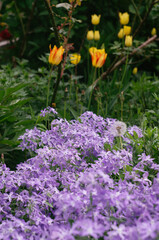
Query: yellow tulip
(127, 30)
(134, 70)
(98, 57)
(128, 41)
(95, 19)
(153, 32)
(56, 55)
(96, 35)
(75, 58)
(124, 18)
(90, 35)
(121, 33)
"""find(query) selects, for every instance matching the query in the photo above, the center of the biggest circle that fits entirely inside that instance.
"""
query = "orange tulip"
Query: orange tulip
(98, 57)
(56, 55)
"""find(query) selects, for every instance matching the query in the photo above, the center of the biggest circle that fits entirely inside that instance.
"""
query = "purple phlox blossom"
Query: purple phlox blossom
(87, 227)
(136, 129)
(146, 159)
(61, 233)
(148, 230)
(30, 139)
(120, 232)
(47, 111)
(74, 188)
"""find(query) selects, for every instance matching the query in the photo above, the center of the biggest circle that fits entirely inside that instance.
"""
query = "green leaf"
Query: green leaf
(74, 113)
(11, 90)
(2, 92)
(49, 204)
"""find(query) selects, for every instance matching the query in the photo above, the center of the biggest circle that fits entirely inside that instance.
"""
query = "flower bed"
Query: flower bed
(80, 184)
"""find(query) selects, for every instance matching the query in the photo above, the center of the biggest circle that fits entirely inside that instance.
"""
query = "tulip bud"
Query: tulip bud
(124, 18)
(128, 41)
(121, 33)
(153, 32)
(96, 35)
(95, 19)
(75, 58)
(134, 70)
(90, 35)
(127, 30)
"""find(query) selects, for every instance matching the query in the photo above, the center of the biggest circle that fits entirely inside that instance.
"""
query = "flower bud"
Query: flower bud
(153, 32)
(128, 41)
(75, 58)
(124, 18)
(95, 19)
(96, 35)
(127, 30)
(134, 71)
(121, 33)
(90, 35)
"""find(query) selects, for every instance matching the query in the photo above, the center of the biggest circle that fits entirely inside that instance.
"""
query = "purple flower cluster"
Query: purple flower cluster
(73, 188)
(47, 111)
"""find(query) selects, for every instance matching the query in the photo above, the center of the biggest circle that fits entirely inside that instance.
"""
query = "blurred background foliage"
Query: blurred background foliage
(29, 21)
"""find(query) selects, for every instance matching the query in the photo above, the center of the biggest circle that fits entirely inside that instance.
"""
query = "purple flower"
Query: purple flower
(47, 111)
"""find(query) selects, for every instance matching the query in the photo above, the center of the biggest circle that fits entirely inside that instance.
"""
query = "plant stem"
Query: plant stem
(64, 109)
(123, 76)
(48, 87)
(90, 97)
(122, 101)
(136, 9)
(20, 18)
(121, 144)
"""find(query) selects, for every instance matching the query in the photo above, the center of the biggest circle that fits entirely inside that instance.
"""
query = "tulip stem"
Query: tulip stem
(123, 76)
(48, 87)
(90, 97)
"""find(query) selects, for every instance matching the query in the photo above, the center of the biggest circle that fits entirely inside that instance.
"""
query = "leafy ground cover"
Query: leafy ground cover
(83, 181)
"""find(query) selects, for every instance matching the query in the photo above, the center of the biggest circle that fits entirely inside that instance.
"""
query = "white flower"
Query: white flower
(118, 129)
